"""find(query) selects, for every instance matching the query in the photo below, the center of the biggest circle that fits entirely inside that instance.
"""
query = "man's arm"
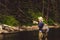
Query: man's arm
(35, 22)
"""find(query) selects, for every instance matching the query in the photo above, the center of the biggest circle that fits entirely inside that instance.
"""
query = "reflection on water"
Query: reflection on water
(23, 35)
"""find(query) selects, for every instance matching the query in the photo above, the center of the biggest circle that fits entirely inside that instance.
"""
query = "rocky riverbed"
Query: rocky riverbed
(8, 29)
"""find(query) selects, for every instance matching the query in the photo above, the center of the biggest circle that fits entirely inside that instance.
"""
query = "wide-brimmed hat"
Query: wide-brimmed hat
(40, 18)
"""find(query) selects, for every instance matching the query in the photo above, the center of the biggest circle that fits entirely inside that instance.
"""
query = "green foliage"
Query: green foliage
(35, 14)
(44, 20)
(10, 20)
(28, 24)
(50, 22)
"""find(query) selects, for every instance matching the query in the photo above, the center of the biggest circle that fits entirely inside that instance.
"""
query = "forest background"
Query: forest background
(23, 12)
